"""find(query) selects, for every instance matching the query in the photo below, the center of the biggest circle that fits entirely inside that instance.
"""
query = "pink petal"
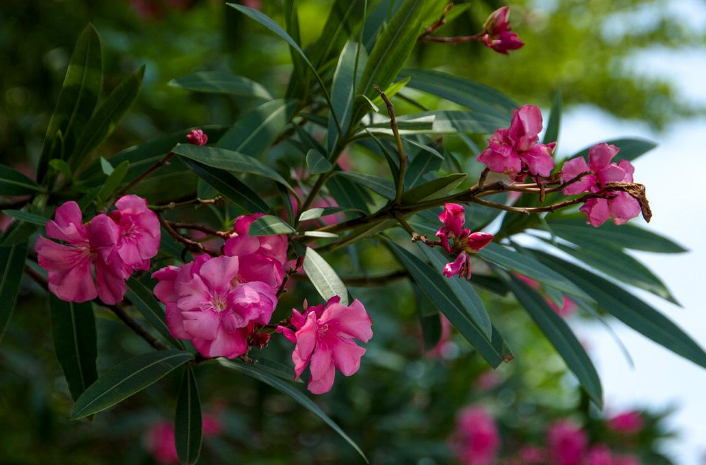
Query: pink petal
(600, 155)
(241, 245)
(164, 289)
(452, 269)
(307, 336)
(192, 294)
(346, 356)
(573, 168)
(110, 279)
(256, 267)
(501, 159)
(597, 211)
(611, 173)
(323, 384)
(624, 207)
(242, 223)
(69, 270)
(629, 170)
(201, 324)
(478, 240)
(539, 159)
(228, 344)
(453, 217)
(218, 272)
(175, 322)
(68, 224)
(354, 320)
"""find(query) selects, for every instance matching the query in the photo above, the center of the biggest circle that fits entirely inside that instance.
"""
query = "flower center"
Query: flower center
(220, 302)
(322, 330)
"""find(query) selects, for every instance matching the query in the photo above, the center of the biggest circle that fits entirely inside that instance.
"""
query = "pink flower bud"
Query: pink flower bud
(497, 32)
(197, 137)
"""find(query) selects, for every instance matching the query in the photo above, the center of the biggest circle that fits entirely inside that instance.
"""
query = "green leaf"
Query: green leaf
(621, 266)
(422, 165)
(73, 328)
(143, 299)
(230, 186)
(12, 262)
(375, 183)
(324, 277)
(429, 319)
(552, 132)
(627, 236)
(105, 166)
(187, 421)
(393, 47)
(439, 291)
(78, 97)
(530, 267)
(561, 337)
(276, 368)
(113, 182)
(322, 212)
(229, 160)
(629, 309)
(128, 378)
(258, 129)
(470, 94)
(269, 225)
(12, 183)
(26, 217)
(433, 189)
(630, 149)
(217, 82)
(340, 25)
(107, 116)
(463, 290)
(17, 233)
(62, 167)
(391, 91)
(320, 234)
(286, 388)
(451, 122)
(343, 93)
(348, 194)
(316, 162)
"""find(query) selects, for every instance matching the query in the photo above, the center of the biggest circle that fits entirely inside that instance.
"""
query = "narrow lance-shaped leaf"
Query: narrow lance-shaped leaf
(12, 261)
(27, 217)
(143, 299)
(73, 328)
(375, 183)
(113, 182)
(324, 277)
(433, 189)
(342, 93)
(188, 424)
(561, 337)
(128, 378)
(106, 117)
(221, 83)
(77, 100)
(12, 183)
(630, 149)
(269, 225)
(316, 162)
(552, 132)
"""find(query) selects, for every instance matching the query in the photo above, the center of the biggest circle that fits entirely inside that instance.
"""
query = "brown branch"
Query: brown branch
(400, 147)
(162, 162)
(190, 244)
(198, 227)
(186, 203)
(438, 23)
(452, 40)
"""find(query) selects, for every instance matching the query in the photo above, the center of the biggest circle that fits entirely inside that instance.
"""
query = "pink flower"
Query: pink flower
(630, 422)
(566, 443)
(197, 137)
(139, 232)
(488, 380)
(476, 440)
(568, 307)
(445, 344)
(161, 443)
(215, 302)
(497, 32)
(453, 217)
(530, 454)
(620, 206)
(465, 242)
(90, 247)
(515, 150)
(324, 338)
(212, 425)
(599, 455)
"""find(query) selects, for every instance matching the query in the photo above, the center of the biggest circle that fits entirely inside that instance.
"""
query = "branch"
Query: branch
(438, 23)
(400, 148)
(162, 162)
(186, 203)
(198, 227)
(190, 244)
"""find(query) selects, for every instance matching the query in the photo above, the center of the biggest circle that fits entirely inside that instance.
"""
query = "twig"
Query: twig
(438, 23)
(186, 203)
(483, 177)
(198, 227)
(452, 40)
(400, 147)
(190, 244)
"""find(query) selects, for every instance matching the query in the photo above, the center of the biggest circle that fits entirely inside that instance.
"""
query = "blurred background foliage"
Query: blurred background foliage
(401, 406)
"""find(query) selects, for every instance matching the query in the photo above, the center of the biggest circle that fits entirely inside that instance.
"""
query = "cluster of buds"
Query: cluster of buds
(465, 242)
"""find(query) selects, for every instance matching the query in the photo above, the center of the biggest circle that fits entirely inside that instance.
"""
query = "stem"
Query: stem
(190, 244)
(438, 23)
(187, 203)
(453, 40)
(198, 227)
(162, 162)
(400, 148)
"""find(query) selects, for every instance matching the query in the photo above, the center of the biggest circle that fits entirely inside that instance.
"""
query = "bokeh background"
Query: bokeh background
(624, 67)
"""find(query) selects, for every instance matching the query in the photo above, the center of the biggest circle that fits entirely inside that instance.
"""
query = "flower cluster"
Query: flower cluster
(161, 443)
(620, 206)
(464, 241)
(324, 335)
(476, 440)
(109, 246)
(219, 303)
(497, 32)
(515, 151)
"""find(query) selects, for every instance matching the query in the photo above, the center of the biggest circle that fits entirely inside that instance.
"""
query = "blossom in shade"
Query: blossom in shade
(498, 35)
(161, 443)
(89, 249)
(629, 422)
(476, 439)
(568, 307)
(139, 231)
(620, 206)
(530, 454)
(599, 454)
(216, 302)
(566, 443)
(197, 137)
(465, 242)
(515, 151)
(324, 337)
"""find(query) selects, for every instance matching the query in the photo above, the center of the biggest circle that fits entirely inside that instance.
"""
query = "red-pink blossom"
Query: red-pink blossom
(568, 307)
(530, 454)
(464, 241)
(566, 443)
(139, 231)
(324, 340)
(629, 422)
(476, 439)
(89, 248)
(515, 150)
(599, 454)
(161, 443)
(197, 137)
(620, 206)
(498, 35)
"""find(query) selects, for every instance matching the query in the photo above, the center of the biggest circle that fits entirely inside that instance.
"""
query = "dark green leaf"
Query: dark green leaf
(322, 212)
(390, 92)
(187, 421)
(552, 132)
(342, 93)
(375, 183)
(438, 290)
(77, 100)
(271, 380)
(429, 319)
(340, 25)
(106, 117)
(629, 309)
(62, 167)
(113, 182)
(433, 189)
(228, 160)
(12, 182)
(269, 225)
(257, 129)
(630, 149)
(276, 368)
(451, 122)
(73, 328)
(12, 261)
(26, 217)
(316, 162)
(221, 83)
(423, 164)
(17, 233)
(470, 94)
(128, 378)
(230, 186)
(324, 277)
(561, 337)
(143, 299)
(348, 194)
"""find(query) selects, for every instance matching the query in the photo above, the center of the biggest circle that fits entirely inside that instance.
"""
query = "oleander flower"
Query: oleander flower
(465, 242)
(630, 422)
(197, 137)
(566, 443)
(140, 234)
(476, 439)
(498, 35)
